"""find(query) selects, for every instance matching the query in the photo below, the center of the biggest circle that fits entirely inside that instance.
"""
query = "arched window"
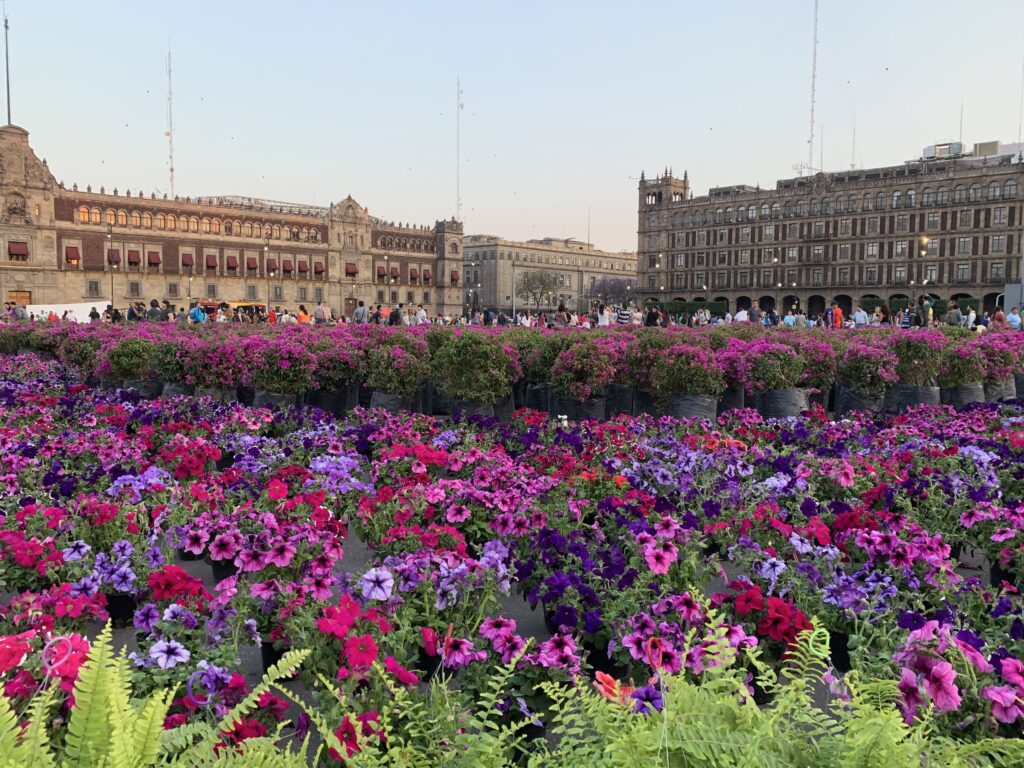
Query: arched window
(718, 216)
(705, 217)
(728, 215)
(257, 230)
(815, 207)
(1010, 189)
(880, 201)
(764, 210)
(752, 212)
(995, 190)
(790, 208)
(248, 229)
(215, 226)
(206, 226)
(277, 232)
(314, 235)
(228, 228)
(687, 219)
(83, 215)
(775, 210)
(161, 222)
(868, 202)
(94, 216)
(147, 220)
(295, 233)
(826, 205)
(109, 217)
(911, 198)
(975, 194)
(928, 196)
(193, 224)
(801, 208)
(172, 223)
(136, 219)
(122, 218)
(853, 203)
(897, 198)
(943, 196)
(960, 194)
(840, 204)
(455, 247)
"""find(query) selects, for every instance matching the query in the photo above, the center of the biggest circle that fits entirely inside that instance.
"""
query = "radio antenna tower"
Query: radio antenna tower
(809, 165)
(7, 64)
(170, 122)
(458, 149)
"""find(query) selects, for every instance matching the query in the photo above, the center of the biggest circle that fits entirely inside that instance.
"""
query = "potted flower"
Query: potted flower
(1002, 356)
(917, 366)
(284, 372)
(578, 378)
(866, 370)
(962, 368)
(396, 367)
(132, 361)
(474, 370)
(337, 375)
(770, 369)
(687, 381)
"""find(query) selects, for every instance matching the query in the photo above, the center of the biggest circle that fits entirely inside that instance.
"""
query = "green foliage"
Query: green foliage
(133, 358)
(398, 365)
(472, 366)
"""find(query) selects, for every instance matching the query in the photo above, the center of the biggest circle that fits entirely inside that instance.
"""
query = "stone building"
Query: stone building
(948, 224)
(68, 246)
(493, 265)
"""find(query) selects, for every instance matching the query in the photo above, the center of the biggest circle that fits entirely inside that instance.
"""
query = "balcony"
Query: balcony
(820, 237)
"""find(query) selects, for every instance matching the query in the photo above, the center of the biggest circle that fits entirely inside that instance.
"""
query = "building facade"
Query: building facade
(68, 246)
(948, 225)
(544, 273)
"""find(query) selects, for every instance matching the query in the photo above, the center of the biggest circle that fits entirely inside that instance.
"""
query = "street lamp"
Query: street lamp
(113, 266)
(270, 273)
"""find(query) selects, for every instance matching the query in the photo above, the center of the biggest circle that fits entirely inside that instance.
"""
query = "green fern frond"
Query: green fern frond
(88, 735)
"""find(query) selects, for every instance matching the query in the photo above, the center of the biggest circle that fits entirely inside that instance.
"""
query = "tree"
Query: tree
(613, 290)
(536, 286)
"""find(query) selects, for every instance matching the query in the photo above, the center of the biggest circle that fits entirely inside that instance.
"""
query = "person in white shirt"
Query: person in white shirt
(741, 316)
(972, 317)
(728, 317)
(604, 316)
(421, 315)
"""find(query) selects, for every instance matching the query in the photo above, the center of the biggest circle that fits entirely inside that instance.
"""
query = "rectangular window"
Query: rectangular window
(871, 275)
(134, 289)
(932, 248)
(816, 276)
(792, 253)
(819, 229)
(844, 226)
(899, 275)
(409, 297)
(766, 278)
(650, 282)
(844, 251)
(426, 297)
(723, 235)
(700, 259)
(873, 225)
(995, 271)
(873, 250)
(652, 261)
(931, 272)
(791, 276)
(279, 294)
(963, 273)
(966, 219)
(963, 245)
(844, 275)
(901, 249)
(769, 232)
(722, 280)
(723, 257)
(903, 223)
(794, 230)
(92, 288)
(933, 220)
(999, 244)
(172, 290)
(678, 280)
(702, 238)
(394, 297)
(318, 294)
(302, 293)
(999, 216)
(698, 281)
(818, 253)
(211, 291)
(380, 297)
(744, 234)
(745, 256)
(680, 259)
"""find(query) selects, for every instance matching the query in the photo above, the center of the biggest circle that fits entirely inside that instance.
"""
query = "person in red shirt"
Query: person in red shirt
(272, 317)
(837, 315)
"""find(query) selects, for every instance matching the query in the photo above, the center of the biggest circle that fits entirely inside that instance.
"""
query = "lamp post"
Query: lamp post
(513, 287)
(113, 266)
(266, 268)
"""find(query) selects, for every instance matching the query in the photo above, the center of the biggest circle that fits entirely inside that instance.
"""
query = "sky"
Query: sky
(565, 103)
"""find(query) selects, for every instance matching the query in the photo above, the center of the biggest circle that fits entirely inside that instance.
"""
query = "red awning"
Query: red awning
(318, 268)
(113, 256)
(286, 265)
(152, 257)
(134, 257)
(414, 274)
(251, 262)
(71, 253)
(396, 272)
(426, 274)
(211, 261)
(271, 264)
(187, 260)
(381, 272)
(15, 248)
(455, 276)
(232, 262)
(350, 269)
(303, 266)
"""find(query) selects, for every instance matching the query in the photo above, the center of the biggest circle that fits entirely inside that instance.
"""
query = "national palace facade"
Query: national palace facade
(68, 246)
(948, 225)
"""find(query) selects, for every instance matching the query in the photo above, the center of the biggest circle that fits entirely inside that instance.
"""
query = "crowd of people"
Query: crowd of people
(921, 314)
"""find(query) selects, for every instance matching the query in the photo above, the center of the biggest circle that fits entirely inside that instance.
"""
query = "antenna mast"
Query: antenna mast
(170, 122)
(7, 65)
(814, 84)
(853, 149)
(458, 149)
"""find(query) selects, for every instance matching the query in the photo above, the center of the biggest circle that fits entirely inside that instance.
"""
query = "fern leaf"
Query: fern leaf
(88, 735)
(9, 729)
(149, 723)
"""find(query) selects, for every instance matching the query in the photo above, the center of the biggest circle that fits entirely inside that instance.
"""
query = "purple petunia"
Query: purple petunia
(169, 653)
(648, 700)
(146, 617)
(377, 584)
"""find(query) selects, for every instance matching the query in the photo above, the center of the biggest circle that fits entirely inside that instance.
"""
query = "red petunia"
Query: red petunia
(749, 601)
(360, 651)
(346, 734)
(403, 675)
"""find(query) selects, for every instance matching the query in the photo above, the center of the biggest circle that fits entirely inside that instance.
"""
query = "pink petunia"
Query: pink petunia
(938, 684)
(1007, 703)
(911, 693)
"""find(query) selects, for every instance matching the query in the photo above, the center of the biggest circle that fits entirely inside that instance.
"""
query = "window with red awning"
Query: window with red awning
(187, 260)
(153, 257)
(71, 253)
(211, 261)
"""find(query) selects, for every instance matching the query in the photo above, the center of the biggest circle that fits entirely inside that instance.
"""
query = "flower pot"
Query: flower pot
(121, 608)
(839, 651)
(269, 655)
(519, 394)
(218, 394)
(618, 399)
(732, 398)
(147, 389)
(578, 410)
(423, 399)
(427, 664)
(328, 400)
(264, 399)
(1004, 389)
(363, 395)
(504, 409)
(644, 402)
(1018, 385)
(245, 395)
(997, 575)
(175, 388)
(782, 403)
(849, 399)
(474, 408)
(439, 404)
(110, 385)
(598, 659)
(223, 569)
(183, 556)
(962, 395)
(390, 403)
(538, 396)
(225, 461)
(691, 406)
(899, 397)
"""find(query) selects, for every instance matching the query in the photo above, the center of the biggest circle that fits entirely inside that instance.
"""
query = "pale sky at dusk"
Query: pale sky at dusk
(565, 102)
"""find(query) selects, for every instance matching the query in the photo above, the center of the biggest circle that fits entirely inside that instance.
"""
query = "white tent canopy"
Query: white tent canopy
(81, 310)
